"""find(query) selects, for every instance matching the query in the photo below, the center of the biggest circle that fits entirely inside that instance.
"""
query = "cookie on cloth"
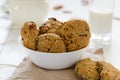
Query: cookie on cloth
(108, 71)
(86, 69)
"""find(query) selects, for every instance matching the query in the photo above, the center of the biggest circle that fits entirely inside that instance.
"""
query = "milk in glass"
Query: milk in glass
(100, 18)
(101, 21)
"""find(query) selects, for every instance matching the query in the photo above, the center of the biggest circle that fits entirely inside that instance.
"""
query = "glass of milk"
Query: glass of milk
(100, 18)
(21, 11)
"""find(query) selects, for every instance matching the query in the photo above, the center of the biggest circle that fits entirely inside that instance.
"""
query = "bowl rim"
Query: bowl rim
(21, 43)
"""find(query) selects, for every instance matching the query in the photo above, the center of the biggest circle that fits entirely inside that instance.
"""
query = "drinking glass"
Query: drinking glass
(100, 18)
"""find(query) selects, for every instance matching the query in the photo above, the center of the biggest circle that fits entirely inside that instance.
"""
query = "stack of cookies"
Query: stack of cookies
(55, 36)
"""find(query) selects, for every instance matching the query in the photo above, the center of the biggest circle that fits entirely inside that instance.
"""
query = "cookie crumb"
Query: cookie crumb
(67, 11)
(85, 2)
(57, 7)
(117, 18)
(99, 51)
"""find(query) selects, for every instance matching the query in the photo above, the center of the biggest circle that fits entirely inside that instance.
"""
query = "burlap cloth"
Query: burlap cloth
(29, 71)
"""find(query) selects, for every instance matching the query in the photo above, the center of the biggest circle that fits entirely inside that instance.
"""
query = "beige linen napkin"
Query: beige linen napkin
(28, 71)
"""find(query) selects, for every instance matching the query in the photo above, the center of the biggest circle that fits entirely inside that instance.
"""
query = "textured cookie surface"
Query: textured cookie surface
(50, 26)
(50, 42)
(86, 69)
(75, 34)
(108, 72)
(29, 35)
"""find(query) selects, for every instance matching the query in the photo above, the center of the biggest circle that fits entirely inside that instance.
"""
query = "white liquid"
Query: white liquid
(101, 21)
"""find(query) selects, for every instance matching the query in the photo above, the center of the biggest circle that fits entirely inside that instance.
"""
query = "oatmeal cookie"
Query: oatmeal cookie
(29, 34)
(86, 69)
(75, 34)
(50, 43)
(108, 71)
(50, 26)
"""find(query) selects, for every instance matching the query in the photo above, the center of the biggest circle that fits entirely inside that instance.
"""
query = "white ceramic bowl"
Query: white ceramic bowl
(52, 60)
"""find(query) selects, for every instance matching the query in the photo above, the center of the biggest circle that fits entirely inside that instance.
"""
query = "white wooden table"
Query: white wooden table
(11, 53)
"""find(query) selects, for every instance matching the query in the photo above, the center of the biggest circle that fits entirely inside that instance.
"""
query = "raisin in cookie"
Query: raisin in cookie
(75, 34)
(86, 69)
(29, 34)
(108, 71)
(50, 43)
(50, 26)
